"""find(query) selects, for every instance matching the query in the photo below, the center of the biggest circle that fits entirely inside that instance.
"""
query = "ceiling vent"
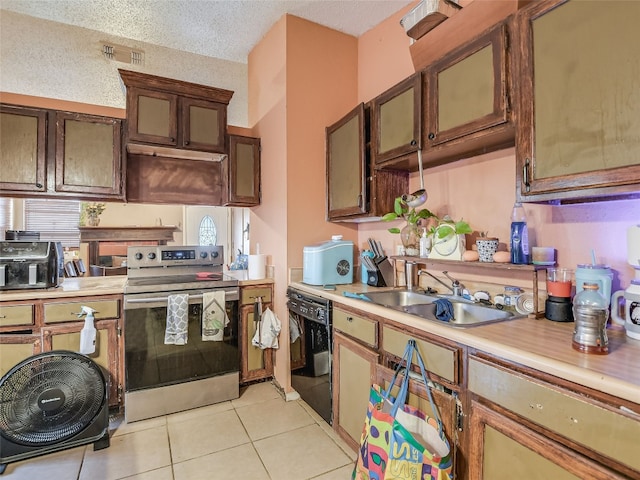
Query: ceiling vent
(120, 53)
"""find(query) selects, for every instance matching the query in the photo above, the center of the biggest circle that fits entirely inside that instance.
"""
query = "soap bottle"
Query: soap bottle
(424, 244)
(88, 332)
(519, 235)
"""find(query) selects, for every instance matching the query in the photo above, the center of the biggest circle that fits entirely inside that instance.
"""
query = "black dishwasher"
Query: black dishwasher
(311, 351)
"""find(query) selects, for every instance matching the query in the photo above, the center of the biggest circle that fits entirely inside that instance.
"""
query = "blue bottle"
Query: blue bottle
(519, 236)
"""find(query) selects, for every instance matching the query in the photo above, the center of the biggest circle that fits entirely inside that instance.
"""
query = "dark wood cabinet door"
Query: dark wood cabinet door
(88, 155)
(466, 101)
(347, 192)
(23, 149)
(242, 172)
(396, 122)
(203, 125)
(578, 129)
(153, 116)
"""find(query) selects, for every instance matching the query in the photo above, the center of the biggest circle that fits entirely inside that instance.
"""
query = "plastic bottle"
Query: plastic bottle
(424, 244)
(88, 332)
(590, 312)
(519, 235)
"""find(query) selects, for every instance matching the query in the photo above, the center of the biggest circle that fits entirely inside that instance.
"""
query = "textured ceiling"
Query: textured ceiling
(226, 29)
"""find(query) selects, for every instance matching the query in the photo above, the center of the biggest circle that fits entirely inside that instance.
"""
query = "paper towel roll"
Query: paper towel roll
(257, 266)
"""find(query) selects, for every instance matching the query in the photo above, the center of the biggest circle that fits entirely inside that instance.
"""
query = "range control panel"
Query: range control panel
(170, 255)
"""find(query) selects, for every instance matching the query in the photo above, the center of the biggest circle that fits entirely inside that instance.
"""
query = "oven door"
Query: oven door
(149, 363)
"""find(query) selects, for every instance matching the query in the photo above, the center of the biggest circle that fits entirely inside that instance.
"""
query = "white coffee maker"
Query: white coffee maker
(631, 320)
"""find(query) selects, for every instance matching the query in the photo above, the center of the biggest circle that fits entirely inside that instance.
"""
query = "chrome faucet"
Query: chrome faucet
(456, 287)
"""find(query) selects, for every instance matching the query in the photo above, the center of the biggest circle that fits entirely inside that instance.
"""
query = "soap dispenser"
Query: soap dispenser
(425, 244)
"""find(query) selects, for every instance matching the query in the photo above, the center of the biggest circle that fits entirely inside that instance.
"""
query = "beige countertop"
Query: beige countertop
(86, 286)
(537, 343)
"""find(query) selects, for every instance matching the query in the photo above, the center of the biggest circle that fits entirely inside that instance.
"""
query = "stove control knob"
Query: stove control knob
(214, 254)
(320, 314)
(151, 256)
(203, 254)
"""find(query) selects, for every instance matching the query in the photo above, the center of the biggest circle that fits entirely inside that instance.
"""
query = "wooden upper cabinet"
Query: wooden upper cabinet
(346, 150)
(153, 116)
(23, 149)
(177, 114)
(396, 120)
(355, 189)
(466, 101)
(578, 131)
(88, 155)
(241, 172)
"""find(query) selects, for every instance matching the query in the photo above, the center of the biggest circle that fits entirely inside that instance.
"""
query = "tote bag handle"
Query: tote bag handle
(404, 386)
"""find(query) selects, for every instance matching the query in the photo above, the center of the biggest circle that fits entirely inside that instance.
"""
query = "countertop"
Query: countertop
(537, 343)
(86, 286)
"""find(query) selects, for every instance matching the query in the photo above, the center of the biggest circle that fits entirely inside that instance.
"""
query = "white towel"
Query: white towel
(294, 328)
(176, 331)
(214, 316)
(266, 335)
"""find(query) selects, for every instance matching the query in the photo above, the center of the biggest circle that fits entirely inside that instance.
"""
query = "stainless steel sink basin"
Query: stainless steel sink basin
(397, 298)
(464, 314)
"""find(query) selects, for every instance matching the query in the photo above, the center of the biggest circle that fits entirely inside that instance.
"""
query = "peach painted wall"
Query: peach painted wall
(302, 77)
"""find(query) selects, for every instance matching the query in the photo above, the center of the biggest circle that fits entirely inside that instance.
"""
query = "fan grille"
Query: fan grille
(50, 397)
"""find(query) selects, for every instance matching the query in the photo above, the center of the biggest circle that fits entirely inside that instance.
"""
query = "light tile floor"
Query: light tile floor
(257, 436)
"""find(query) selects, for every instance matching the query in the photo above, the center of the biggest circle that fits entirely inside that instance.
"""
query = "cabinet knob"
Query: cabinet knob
(39, 185)
(172, 139)
(431, 135)
(349, 319)
(414, 143)
(187, 142)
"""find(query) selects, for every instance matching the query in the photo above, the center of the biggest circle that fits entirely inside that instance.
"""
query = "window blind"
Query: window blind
(6, 215)
(56, 220)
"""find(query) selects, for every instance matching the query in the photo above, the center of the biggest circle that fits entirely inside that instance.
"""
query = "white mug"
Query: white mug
(631, 320)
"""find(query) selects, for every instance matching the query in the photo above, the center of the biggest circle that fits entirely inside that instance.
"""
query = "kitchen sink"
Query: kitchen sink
(397, 298)
(464, 314)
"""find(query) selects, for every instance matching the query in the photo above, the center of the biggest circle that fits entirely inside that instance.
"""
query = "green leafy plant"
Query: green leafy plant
(413, 216)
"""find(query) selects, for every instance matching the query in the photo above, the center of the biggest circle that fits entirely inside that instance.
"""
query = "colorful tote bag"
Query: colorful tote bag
(400, 442)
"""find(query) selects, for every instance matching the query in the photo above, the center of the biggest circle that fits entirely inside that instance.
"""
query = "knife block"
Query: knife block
(382, 276)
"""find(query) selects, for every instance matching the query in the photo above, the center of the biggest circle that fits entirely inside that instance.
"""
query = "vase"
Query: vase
(410, 237)
(93, 220)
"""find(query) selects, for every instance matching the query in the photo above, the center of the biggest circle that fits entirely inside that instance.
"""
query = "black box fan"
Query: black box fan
(52, 401)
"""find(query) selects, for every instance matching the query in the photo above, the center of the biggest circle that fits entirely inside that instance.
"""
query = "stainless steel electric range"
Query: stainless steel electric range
(166, 378)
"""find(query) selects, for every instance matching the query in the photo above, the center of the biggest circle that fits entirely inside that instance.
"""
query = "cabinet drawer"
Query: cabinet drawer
(598, 428)
(357, 327)
(16, 315)
(248, 295)
(68, 311)
(438, 359)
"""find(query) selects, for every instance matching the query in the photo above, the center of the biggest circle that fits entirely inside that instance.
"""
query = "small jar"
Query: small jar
(511, 295)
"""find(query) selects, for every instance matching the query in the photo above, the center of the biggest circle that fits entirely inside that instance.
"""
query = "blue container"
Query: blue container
(363, 271)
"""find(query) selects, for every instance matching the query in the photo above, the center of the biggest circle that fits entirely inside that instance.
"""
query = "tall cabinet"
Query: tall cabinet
(579, 100)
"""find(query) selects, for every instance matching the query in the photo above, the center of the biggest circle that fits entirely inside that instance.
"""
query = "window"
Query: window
(6, 215)
(207, 232)
(56, 220)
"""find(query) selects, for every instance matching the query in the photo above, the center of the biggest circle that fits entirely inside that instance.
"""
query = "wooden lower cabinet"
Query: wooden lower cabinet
(354, 370)
(67, 337)
(547, 430)
(255, 363)
(28, 327)
(16, 348)
(503, 449)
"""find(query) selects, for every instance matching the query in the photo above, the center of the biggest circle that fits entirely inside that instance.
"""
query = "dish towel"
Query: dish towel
(176, 331)
(266, 335)
(444, 310)
(214, 316)
(294, 328)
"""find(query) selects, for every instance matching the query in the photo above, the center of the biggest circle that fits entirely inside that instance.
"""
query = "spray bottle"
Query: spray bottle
(88, 333)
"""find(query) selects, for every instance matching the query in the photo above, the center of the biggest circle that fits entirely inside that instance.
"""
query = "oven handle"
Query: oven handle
(231, 296)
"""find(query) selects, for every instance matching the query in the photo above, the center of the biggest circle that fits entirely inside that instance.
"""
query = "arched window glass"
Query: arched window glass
(207, 233)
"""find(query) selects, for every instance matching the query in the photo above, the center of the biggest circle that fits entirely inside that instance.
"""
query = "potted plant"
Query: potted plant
(410, 234)
(90, 213)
